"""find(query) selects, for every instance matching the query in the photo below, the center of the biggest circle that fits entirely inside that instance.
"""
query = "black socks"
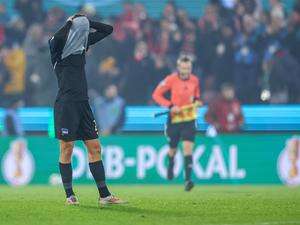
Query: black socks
(171, 161)
(98, 173)
(66, 176)
(188, 166)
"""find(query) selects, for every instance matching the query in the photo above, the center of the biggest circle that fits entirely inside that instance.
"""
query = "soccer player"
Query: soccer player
(73, 117)
(181, 125)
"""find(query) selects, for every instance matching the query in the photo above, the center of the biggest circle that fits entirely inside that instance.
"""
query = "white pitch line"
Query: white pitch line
(279, 222)
(258, 223)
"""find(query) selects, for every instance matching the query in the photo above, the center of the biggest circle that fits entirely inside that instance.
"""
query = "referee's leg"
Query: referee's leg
(188, 163)
(173, 136)
(188, 134)
(188, 159)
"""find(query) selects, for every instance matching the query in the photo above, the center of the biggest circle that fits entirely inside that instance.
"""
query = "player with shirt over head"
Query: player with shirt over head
(73, 116)
(181, 125)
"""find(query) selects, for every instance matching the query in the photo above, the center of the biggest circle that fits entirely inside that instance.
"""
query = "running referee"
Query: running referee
(73, 117)
(183, 103)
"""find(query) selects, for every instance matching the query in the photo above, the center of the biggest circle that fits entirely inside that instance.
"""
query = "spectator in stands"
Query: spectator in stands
(15, 63)
(207, 28)
(139, 72)
(225, 112)
(222, 63)
(293, 38)
(54, 19)
(276, 9)
(244, 8)
(2, 34)
(108, 73)
(284, 78)
(4, 78)
(12, 123)
(14, 32)
(40, 85)
(31, 11)
(271, 41)
(210, 93)
(133, 17)
(123, 43)
(4, 16)
(246, 67)
(110, 111)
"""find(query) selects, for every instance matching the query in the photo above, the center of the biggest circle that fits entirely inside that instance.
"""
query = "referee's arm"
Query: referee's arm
(160, 90)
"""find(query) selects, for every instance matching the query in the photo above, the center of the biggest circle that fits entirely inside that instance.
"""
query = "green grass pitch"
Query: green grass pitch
(161, 205)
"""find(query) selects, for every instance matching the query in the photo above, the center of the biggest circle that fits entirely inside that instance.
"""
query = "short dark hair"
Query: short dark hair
(184, 58)
(226, 86)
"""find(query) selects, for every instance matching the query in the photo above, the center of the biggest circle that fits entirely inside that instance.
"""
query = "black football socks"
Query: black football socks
(171, 161)
(66, 176)
(188, 166)
(97, 170)
(170, 173)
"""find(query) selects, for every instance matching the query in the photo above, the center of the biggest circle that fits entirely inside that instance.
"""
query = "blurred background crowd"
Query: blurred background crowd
(238, 42)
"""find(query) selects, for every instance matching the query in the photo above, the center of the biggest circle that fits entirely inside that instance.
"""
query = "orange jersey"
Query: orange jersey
(183, 92)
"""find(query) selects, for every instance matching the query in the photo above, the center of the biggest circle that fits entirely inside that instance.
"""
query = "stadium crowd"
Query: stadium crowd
(255, 49)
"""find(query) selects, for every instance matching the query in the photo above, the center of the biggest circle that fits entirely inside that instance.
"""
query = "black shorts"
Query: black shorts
(185, 131)
(74, 121)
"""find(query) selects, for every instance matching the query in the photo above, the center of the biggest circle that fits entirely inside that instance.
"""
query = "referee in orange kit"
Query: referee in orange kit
(183, 103)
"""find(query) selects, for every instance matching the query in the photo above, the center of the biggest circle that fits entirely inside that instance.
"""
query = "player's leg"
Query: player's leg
(173, 136)
(188, 136)
(96, 166)
(89, 133)
(66, 122)
(98, 172)
(65, 168)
